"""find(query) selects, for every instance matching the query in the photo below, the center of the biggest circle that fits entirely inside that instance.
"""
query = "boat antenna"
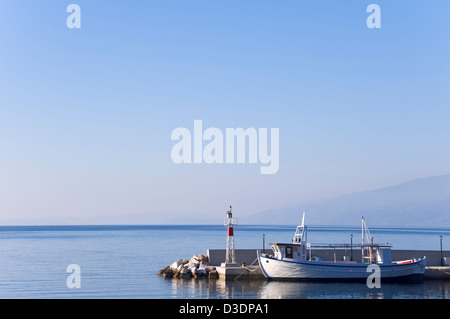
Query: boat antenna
(303, 219)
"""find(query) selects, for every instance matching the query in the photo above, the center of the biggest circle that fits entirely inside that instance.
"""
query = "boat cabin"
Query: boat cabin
(289, 251)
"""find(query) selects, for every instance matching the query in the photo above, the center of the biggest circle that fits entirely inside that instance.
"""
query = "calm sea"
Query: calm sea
(122, 261)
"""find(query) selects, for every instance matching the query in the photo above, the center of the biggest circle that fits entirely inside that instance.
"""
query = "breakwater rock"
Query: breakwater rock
(197, 266)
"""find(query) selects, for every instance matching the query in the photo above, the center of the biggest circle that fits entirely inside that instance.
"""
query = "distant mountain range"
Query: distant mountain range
(420, 202)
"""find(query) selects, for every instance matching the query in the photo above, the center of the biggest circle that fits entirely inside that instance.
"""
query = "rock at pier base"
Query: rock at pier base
(213, 274)
(161, 271)
(199, 272)
(197, 266)
(176, 264)
(185, 273)
(168, 273)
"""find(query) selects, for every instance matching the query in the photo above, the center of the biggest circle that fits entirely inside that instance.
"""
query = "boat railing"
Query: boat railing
(368, 251)
(325, 246)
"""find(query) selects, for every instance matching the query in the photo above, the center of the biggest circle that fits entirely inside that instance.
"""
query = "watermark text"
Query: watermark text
(235, 146)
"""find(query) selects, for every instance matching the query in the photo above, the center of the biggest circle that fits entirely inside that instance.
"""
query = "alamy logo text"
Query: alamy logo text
(235, 146)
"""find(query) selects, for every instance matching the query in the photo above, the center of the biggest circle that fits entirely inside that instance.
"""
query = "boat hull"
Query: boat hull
(309, 270)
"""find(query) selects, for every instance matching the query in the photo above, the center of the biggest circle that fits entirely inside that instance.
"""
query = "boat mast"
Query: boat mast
(362, 239)
(300, 232)
(365, 232)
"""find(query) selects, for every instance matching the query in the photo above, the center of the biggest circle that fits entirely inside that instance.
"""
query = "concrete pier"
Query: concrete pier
(433, 270)
(246, 266)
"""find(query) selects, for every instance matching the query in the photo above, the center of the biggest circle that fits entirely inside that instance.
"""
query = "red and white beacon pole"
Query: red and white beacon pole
(230, 222)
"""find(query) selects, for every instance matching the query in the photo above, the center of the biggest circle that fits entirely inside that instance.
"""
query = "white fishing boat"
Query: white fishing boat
(294, 261)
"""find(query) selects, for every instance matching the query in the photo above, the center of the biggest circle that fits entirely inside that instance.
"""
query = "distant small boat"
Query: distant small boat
(293, 261)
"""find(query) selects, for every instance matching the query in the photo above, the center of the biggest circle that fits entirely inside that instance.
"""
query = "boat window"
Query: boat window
(288, 252)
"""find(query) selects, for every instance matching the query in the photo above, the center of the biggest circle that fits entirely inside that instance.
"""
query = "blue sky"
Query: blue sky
(86, 114)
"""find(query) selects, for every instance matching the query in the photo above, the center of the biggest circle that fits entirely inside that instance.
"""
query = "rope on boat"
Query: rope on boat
(244, 267)
(445, 272)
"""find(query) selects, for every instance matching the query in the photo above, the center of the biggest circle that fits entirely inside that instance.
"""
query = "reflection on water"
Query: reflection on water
(204, 288)
(240, 289)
